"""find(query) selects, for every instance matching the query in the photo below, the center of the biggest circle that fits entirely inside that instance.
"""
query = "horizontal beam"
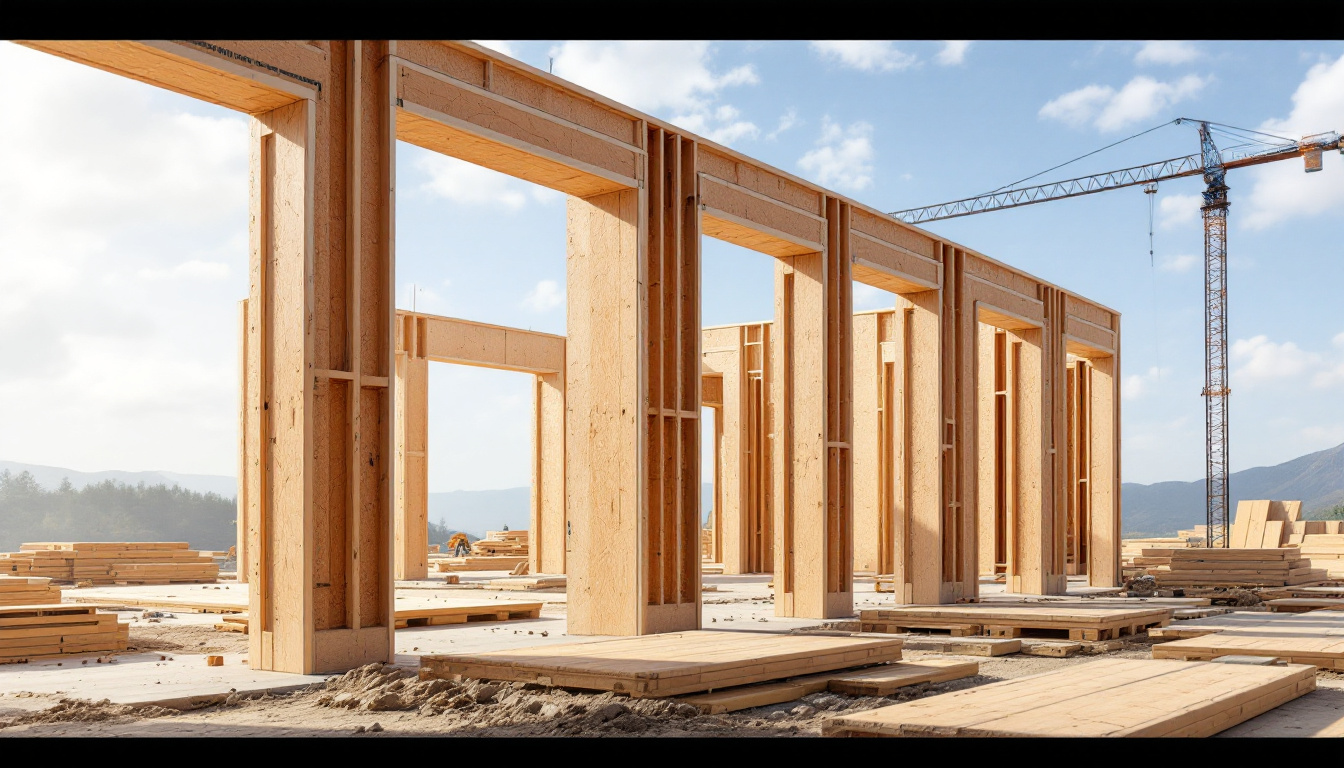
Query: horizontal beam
(465, 342)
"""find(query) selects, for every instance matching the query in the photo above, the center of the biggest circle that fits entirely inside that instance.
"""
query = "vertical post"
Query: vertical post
(1103, 551)
(320, 413)
(633, 413)
(411, 548)
(242, 505)
(814, 558)
(547, 548)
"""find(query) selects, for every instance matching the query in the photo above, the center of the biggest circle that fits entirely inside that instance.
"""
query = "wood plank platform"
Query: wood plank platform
(1107, 697)
(1074, 621)
(440, 613)
(668, 664)
(1304, 604)
(528, 583)
(477, 563)
(1210, 624)
(1315, 638)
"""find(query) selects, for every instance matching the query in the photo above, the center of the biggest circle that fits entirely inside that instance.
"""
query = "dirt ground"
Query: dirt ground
(381, 700)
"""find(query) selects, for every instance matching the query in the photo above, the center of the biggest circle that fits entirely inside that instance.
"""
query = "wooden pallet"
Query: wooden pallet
(525, 583)
(39, 631)
(1074, 621)
(167, 604)
(1107, 697)
(1315, 638)
(668, 664)
(477, 563)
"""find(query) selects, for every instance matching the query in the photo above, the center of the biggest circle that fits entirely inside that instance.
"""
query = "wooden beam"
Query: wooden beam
(466, 342)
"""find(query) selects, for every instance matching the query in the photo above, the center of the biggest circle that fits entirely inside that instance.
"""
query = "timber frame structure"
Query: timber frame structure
(319, 433)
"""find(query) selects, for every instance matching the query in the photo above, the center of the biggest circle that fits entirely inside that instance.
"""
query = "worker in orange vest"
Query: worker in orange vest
(459, 545)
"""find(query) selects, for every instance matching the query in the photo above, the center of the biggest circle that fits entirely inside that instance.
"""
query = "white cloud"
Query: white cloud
(953, 52)
(786, 121)
(865, 55)
(1167, 52)
(123, 253)
(1281, 191)
(1260, 359)
(470, 184)
(670, 78)
(1178, 264)
(547, 295)
(188, 270)
(1331, 374)
(1178, 210)
(1137, 385)
(1110, 110)
(843, 157)
(503, 46)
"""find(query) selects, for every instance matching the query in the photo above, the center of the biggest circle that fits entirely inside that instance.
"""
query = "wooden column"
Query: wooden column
(546, 551)
(411, 511)
(722, 352)
(1103, 564)
(918, 530)
(633, 388)
(320, 344)
(813, 397)
(242, 504)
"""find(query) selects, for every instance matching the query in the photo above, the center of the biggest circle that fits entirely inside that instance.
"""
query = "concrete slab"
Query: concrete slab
(179, 681)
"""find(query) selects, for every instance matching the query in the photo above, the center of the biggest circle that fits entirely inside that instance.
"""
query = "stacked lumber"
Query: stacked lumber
(1071, 620)
(501, 543)
(1263, 524)
(1194, 536)
(474, 563)
(1132, 549)
(36, 590)
(37, 631)
(112, 562)
(1215, 567)
(1326, 550)
(706, 543)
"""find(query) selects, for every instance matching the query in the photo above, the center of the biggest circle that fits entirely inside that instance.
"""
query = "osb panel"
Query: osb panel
(743, 234)
(1076, 305)
(308, 59)
(477, 109)
(922, 270)
(892, 231)
(553, 101)
(1014, 304)
(1000, 275)
(757, 179)
(444, 59)
(753, 209)
(1101, 339)
(330, 494)
(373, 559)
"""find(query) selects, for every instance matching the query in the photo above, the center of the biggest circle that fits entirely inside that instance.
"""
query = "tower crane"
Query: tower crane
(1213, 164)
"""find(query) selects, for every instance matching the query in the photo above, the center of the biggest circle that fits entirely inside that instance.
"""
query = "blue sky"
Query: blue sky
(120, 340)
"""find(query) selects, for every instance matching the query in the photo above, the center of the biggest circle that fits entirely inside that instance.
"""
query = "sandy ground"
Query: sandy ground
(389, 700)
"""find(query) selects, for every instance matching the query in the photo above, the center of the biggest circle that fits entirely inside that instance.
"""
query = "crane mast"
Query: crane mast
(1214, 166)
(1216, 390)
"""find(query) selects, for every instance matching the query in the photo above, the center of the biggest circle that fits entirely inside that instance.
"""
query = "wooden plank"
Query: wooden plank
(668, 664)
(1105, 698)
(1315, 638)
(762, 695)
(886, 679)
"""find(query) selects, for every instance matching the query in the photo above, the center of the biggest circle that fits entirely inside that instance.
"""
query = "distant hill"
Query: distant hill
(1161, 509)
(50, 478)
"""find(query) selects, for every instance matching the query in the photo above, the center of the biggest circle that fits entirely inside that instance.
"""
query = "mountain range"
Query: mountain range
(1158, 509)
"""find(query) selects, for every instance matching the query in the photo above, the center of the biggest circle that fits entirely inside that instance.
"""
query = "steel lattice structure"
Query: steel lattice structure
(1211, 163)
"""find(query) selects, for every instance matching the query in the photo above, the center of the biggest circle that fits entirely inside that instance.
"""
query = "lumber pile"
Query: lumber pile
(501, 543)
(474, 563)
(1263, 524)
(1216, 567)
(35, 590)
(1326, 550)
(1132, 549)
(38, 631)
(706, 543)
(112, 562)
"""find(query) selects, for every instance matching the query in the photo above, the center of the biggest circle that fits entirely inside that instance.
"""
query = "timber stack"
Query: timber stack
(1220, 567)
(112, 562)
(498, 551)
(1326, 550)
(39, 631)
(33, 590)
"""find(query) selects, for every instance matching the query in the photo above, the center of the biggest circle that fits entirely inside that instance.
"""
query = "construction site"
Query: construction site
(916, 521)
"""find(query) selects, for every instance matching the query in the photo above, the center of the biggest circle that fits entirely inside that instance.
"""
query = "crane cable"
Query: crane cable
(1089, 154)
(1150, 189)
